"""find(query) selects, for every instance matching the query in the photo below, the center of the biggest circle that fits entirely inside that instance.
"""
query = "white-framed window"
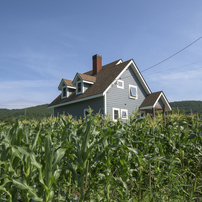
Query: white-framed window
(115, 113)
(120, 84)
(133, 92)
(124, 113)
(64, 92)
(79, 87)
(86, 112)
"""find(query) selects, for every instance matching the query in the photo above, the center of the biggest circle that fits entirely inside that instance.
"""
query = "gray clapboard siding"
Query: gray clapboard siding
(77, 109)
(119, 98)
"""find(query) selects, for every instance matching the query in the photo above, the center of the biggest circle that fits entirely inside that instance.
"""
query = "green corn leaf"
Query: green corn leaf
(99, 157)
(4, 190)
(41, 180)
(133, 150)
(85, 138)
(25, 151)
(21, 184)
(48, 160)
(57, 173)
(75, 175)
(58, 155)
(34, 162)
(16, 152)
(79, 155)
(34, 143)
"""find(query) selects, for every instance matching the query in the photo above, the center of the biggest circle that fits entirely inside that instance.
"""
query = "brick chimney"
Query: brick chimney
(97, 63)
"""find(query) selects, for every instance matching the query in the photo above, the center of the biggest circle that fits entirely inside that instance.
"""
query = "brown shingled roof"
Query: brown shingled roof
(87, 77)
(68, 82)
(103, 79)
(150, 99)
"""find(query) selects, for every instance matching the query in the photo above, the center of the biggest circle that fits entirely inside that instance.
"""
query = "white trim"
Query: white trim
(124, 110)
(165, 100)
(133, 97)
(157, 99)
(61, 84)
(75, 101)
(137, 73)
(148, 107)
(119, 62)
(90, 82)
(113, 114)
(75, 78)
(121, 81)
(105, 104)
(71, 87)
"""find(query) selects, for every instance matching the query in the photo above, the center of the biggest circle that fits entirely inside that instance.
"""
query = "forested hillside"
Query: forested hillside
(36, 112)
(187, 106)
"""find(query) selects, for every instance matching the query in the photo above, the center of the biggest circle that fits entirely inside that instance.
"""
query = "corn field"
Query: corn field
(95, 159)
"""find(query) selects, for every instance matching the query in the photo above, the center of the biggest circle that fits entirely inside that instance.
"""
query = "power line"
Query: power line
(187, 70)
(176, 68)
(172, 55)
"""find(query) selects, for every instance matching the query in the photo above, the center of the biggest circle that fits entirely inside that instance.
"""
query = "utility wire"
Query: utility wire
(187, 70)
(175, 68)
(172, 55)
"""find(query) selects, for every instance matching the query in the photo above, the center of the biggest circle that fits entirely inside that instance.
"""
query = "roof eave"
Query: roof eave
(75, 101)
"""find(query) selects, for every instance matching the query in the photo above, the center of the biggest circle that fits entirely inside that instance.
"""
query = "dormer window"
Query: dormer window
(64, 92)
(79, 87)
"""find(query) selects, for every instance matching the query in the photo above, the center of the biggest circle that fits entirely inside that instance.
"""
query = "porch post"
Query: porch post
(164, 114)
(153, 112)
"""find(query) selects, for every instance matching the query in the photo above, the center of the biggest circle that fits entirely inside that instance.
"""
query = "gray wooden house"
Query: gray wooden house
(116, 89)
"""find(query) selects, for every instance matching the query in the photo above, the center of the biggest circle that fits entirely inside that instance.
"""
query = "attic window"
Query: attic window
(120, 84)
(64, 92)
(133, 91)
(79, 87)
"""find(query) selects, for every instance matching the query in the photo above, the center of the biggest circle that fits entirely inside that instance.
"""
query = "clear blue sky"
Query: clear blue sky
(42, 41)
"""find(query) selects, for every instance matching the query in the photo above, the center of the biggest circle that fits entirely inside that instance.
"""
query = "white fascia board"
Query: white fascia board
(148, 107)
(71, 87)
(119, 62)
(90, 82)
(105, 104)
(60, 85)
(137, 73)
(74, 80)
(141, 79)
(116, 78)
(157, 99)
(164, 100)
(75, 101)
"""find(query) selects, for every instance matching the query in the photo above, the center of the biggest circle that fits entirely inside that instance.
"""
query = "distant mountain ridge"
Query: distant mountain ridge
(188, 106)
(37, 112)
(41, 111)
